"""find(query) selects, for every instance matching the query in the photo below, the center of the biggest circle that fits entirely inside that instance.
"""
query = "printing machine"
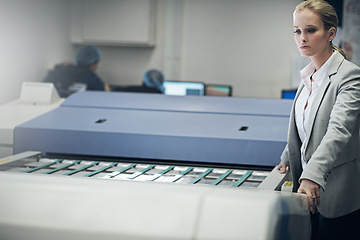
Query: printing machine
(149, 166)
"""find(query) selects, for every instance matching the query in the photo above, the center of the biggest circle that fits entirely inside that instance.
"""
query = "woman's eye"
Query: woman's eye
(297, 31)
(311, 30)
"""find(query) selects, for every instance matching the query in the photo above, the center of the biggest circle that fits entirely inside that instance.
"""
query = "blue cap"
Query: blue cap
(87, 55)
(154, 79)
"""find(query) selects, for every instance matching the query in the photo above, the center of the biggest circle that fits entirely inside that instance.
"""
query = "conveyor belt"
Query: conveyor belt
(131, 171)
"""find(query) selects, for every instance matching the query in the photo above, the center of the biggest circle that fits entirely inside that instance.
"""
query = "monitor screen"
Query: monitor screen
(288, 94)
(218, 90)
(184, 88)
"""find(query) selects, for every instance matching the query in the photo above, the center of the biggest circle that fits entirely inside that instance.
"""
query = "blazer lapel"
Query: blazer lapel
(292, 115)
(316, 103)
(293, 133)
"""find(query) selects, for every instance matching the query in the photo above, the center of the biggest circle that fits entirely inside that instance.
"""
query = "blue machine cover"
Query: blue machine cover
(186, 128)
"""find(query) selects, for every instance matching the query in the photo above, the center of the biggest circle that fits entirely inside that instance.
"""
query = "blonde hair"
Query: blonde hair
(327, 15)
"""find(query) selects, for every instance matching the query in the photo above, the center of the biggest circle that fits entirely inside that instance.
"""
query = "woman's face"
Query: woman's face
(310, 36)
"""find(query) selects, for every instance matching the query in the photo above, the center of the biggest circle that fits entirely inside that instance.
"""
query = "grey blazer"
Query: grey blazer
(333, 151)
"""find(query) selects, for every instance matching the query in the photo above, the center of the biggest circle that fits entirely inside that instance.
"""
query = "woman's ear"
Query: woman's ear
(332, 34)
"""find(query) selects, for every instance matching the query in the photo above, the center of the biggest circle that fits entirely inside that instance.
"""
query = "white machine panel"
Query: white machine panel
(35, 100)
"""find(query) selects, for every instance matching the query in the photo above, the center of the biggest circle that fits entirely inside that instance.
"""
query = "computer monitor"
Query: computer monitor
(288, 93)
(183, 88)
(218, 90)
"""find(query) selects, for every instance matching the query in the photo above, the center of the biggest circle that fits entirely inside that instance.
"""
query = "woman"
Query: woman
(323, 149)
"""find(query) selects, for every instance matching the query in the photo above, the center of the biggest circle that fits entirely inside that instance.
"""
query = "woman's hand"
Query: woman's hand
(283, 167)
(312, 191)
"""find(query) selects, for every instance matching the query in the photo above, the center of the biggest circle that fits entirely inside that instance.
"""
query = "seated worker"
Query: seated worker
(69, 78)
(153, 82)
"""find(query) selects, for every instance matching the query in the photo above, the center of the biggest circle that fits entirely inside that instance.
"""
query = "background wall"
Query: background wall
(247, 44)
(34, 34)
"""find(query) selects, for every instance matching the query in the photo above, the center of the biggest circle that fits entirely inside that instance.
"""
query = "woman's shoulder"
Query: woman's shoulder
(348, 69)
(351, 65)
